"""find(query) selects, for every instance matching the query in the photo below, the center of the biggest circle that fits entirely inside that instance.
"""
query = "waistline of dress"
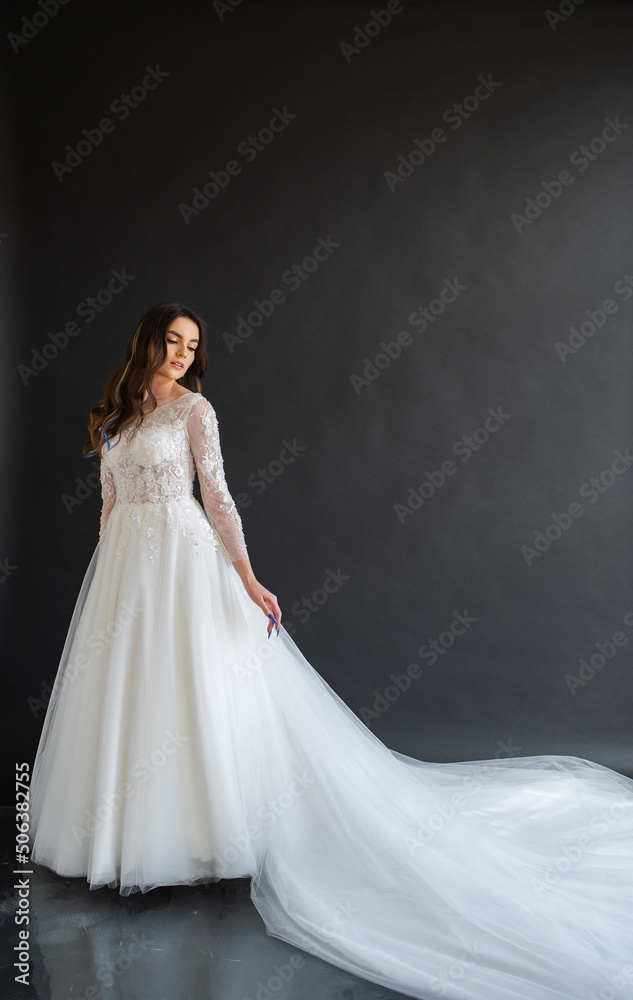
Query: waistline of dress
(160, 502)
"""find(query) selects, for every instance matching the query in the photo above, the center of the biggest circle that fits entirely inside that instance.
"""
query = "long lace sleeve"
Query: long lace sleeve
(204, 438)
(108, 496)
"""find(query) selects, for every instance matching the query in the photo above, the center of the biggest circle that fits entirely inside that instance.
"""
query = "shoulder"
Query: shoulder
(199, 408)
(184, 397)
(188, 395)
(189, 401)
(199, 402)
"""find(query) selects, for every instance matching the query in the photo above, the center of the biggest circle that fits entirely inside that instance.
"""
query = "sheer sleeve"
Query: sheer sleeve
(204, 438)
(108, 496)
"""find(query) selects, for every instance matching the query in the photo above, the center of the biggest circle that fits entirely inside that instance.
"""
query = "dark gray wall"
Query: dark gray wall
(456, 218)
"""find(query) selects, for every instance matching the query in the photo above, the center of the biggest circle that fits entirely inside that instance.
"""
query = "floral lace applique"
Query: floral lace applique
(147, 479)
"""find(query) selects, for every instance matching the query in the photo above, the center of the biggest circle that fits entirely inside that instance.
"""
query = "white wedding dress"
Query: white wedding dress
(181, 745)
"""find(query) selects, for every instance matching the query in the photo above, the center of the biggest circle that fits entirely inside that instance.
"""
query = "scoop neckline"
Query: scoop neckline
(176, 400)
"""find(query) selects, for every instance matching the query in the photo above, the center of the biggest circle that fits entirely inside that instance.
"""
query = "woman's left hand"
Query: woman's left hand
(266, 601)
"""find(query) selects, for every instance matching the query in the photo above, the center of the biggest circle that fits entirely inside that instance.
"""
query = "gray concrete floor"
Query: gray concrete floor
(180, 943)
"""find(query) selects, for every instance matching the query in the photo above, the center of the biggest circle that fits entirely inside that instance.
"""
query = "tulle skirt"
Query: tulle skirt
(182, 746)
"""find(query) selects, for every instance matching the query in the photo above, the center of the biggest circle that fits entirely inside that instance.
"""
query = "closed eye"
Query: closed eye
(175, 342)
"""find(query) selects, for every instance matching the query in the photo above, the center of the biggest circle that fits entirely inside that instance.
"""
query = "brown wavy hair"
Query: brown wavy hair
(129, 385)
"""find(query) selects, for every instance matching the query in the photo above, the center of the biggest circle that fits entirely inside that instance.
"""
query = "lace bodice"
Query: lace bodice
(151, 470)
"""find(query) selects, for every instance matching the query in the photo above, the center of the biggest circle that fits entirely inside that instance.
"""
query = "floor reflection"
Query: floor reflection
(180, 943)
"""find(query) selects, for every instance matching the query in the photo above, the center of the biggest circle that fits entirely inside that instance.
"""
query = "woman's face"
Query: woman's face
(181, 341)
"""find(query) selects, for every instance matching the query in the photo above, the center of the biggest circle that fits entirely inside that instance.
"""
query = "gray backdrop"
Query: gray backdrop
(408, 226)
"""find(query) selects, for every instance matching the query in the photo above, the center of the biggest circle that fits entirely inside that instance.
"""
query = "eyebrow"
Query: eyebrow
(193, 340)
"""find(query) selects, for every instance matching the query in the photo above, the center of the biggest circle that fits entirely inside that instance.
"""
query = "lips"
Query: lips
(176, 364)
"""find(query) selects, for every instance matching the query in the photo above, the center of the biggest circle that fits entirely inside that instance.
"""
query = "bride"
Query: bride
(188, 740)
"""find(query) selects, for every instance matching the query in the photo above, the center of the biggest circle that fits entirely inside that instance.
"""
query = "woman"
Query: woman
(180, 746)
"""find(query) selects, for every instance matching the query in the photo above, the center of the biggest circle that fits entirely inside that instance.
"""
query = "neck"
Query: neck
(162, 386)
